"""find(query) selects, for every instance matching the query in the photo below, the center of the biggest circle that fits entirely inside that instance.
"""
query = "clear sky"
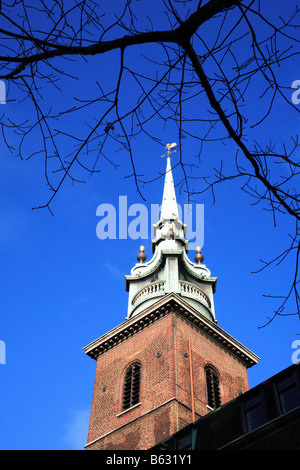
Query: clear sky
(62, 287)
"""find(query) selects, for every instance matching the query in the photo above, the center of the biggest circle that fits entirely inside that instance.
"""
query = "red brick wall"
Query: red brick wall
(164, 407)
(233, 375)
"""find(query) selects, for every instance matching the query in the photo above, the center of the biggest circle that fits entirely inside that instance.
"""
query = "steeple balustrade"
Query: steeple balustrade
(194, 291)
(153, 289)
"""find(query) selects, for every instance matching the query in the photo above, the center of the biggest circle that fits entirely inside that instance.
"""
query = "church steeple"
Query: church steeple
(168, 363)
(170, 270)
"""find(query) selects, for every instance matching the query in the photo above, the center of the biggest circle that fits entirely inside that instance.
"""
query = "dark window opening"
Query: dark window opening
(254, 413)
(213, 388)
(184, 442)
(131, 390)
(288, 394)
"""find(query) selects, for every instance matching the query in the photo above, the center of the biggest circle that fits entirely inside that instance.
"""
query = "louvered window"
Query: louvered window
(213, 388)
(131, 390)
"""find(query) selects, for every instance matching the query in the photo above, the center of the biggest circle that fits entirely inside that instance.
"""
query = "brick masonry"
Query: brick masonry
(165, 394)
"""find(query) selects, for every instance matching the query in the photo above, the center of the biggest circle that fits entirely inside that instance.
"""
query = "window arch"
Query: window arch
(131, 388)
(213, 387)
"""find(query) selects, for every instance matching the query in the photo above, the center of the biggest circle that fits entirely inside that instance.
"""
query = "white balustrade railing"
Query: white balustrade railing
(153, 289)
(158, 288)
(194, 291)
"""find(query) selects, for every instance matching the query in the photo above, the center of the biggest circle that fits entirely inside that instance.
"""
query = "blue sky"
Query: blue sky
(62, 287)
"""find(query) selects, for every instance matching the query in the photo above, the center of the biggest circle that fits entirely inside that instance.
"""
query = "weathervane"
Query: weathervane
(169, 147)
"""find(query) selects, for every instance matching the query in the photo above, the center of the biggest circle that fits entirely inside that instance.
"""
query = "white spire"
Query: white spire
(169, 215)
(169, 208)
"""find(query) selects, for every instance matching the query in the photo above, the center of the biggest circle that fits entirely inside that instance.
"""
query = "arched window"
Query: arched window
(131, 389)
(213, 387)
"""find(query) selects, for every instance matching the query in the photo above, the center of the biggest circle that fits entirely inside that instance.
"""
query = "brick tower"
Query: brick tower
(168, 363)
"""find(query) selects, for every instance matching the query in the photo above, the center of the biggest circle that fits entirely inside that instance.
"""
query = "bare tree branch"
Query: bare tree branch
(192, 65)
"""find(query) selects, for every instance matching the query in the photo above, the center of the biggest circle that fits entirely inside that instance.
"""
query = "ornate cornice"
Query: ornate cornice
(171, 303)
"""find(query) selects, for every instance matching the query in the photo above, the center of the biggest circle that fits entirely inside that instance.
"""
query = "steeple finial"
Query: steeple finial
(141, 257)
(199, 256)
